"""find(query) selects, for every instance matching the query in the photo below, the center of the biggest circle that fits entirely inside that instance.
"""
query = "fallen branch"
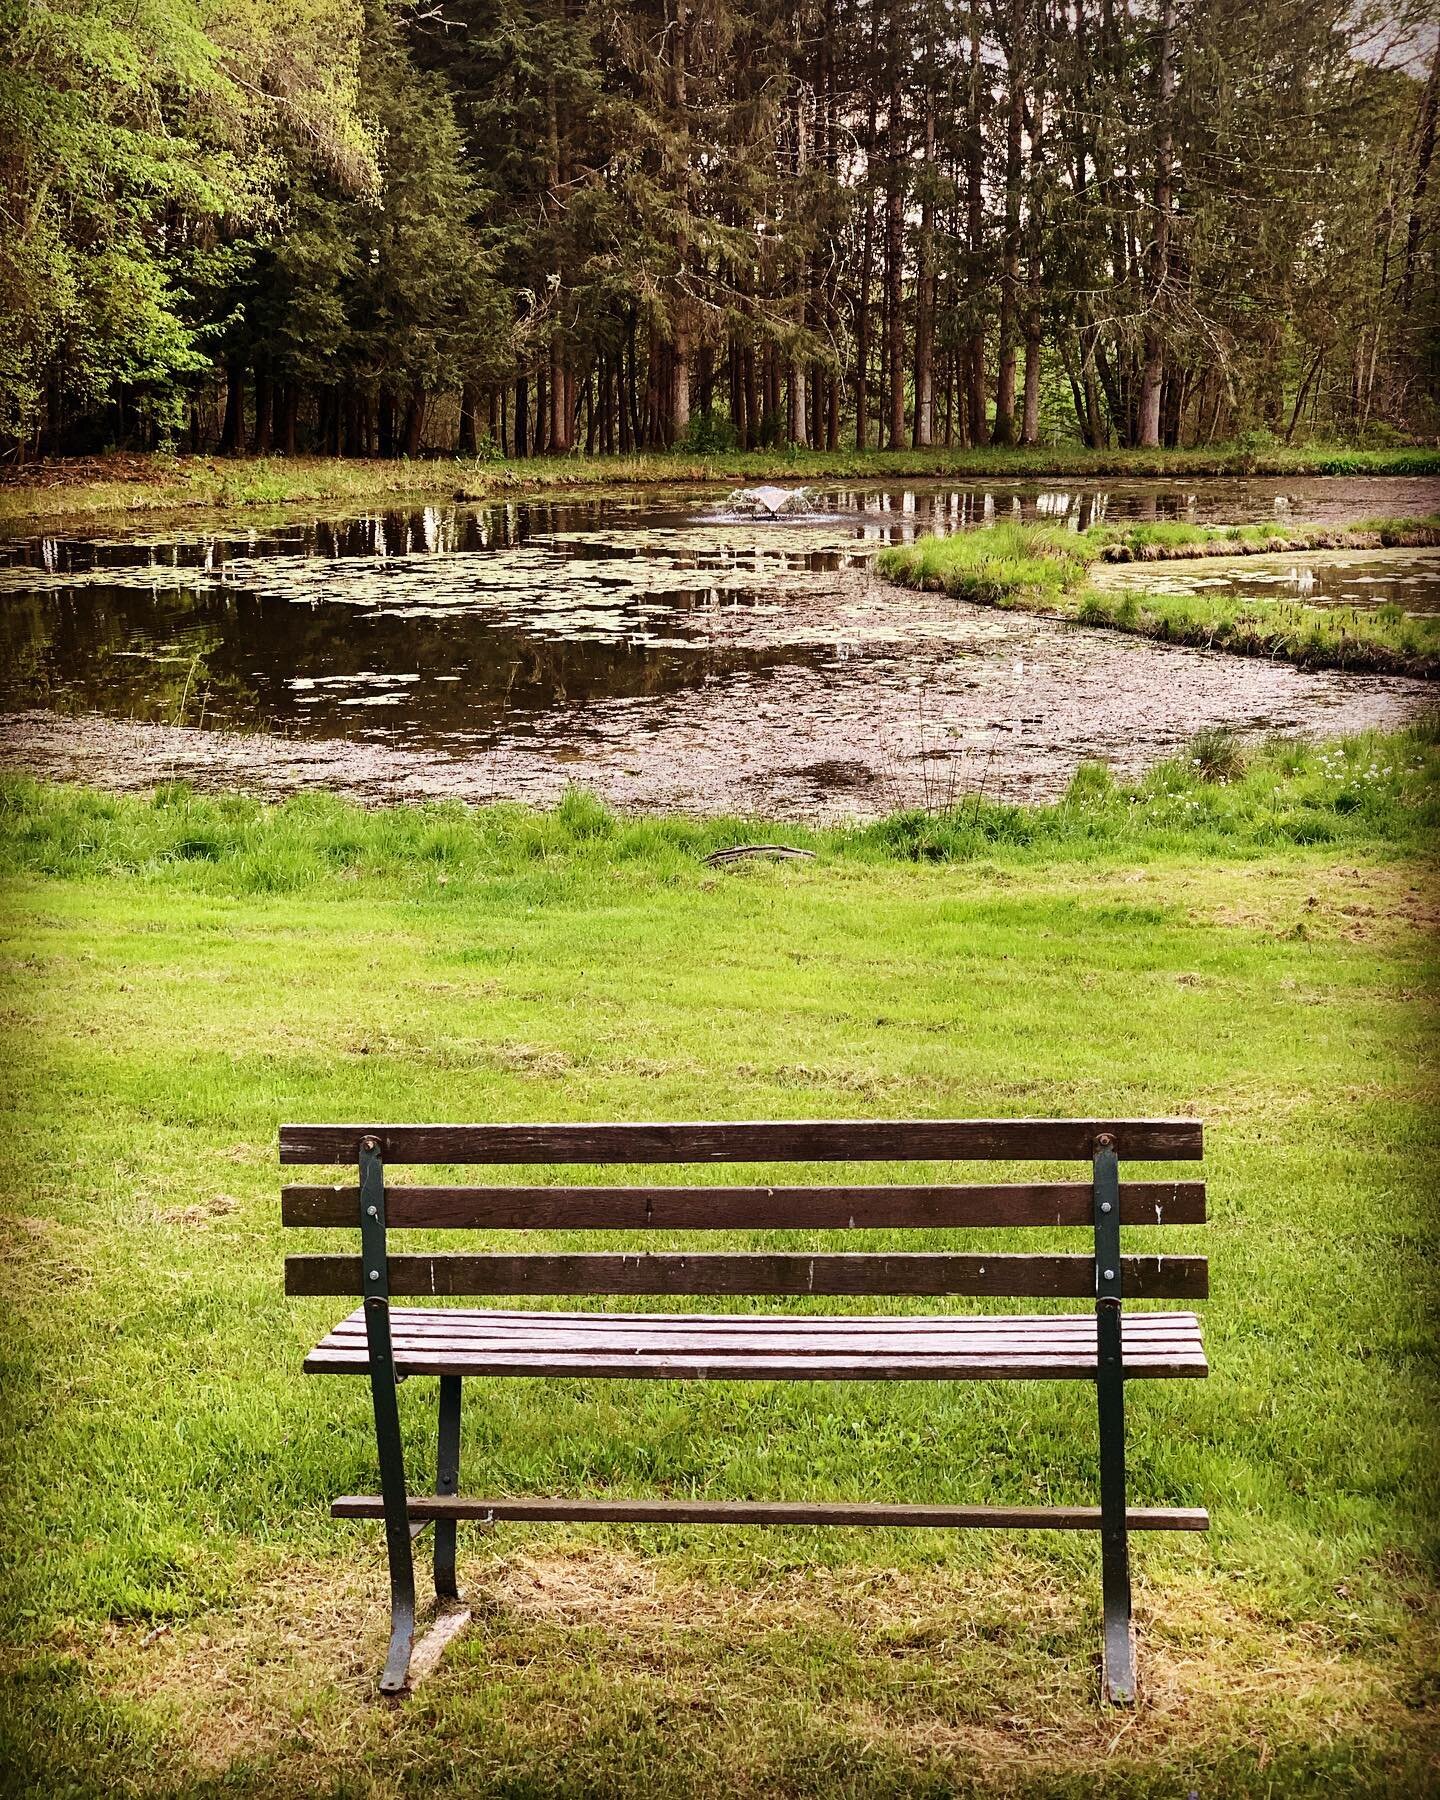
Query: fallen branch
(738, 850)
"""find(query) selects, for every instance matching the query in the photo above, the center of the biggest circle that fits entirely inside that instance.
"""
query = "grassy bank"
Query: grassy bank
(1245, 939)
(158, 483)
(1040, 568)
(1220, 798)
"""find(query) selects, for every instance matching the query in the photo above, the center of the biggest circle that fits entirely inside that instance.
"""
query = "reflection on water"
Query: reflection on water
(425, 674)
(1408, 580)
(856, 515)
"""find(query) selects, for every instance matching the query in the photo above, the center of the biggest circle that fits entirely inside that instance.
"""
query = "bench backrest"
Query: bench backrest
(1101, 1204)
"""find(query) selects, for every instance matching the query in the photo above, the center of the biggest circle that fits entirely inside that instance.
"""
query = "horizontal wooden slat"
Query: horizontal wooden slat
(774, 1512)
(782, 1347)
(998, 1366)
(748, 1208)
(1072, 1277)
(712, 1344)
(533, 1324)
(795, 1140)
(795, 1347)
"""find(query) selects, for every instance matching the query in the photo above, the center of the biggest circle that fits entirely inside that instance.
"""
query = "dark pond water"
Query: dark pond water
(674, 655)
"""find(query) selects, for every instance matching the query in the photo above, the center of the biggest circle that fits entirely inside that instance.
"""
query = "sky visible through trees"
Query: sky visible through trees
(539, 226)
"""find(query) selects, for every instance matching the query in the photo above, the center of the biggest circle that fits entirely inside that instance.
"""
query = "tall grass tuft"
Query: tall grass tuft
(1216, 754)
(994, 565)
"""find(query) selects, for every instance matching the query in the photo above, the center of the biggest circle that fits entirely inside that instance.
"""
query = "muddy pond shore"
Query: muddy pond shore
(644, 647)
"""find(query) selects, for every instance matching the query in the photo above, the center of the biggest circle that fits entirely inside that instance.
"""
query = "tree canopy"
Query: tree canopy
(551, 225)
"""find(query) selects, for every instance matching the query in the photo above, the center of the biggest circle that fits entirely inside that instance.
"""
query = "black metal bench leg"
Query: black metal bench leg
(447, 1481)
(388, 1442)
(392, 1490)
(1119, 1666)
(1119, 1675)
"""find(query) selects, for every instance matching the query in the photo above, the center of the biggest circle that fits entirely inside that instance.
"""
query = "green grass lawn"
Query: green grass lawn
(1251, 941)
(1047, 569)
(158, 483)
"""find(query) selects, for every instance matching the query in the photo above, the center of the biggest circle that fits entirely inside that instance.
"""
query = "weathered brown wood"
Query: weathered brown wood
(680, 1367)
(894, 1348)
(532, 1324)
(796, 1140)
(449, 1340)
(1022, 1341)
(1044, 1203)
(763, 1512)
(772, 1368)
(664, 1272)
(858, 1364)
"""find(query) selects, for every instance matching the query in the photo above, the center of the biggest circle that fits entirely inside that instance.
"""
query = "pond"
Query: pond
(644, 645)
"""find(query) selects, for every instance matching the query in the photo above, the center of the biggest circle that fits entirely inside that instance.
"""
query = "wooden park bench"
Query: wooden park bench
(389, 1342)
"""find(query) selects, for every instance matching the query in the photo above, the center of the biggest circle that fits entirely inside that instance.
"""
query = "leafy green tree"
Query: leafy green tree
(127, 131)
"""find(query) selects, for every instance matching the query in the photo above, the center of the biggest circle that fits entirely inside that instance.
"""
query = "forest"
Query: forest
(522, 227)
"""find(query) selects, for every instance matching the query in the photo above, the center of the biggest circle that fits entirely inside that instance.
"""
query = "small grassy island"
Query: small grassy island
(1046, 569)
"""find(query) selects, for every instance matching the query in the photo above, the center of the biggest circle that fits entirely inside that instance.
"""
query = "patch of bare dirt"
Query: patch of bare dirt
(1357, 905)
(987, 1668)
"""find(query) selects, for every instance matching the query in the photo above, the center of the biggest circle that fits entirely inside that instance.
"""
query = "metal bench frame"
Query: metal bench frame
(1104, 1271)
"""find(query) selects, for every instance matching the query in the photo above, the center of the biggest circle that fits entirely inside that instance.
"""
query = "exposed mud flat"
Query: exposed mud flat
(897, 699)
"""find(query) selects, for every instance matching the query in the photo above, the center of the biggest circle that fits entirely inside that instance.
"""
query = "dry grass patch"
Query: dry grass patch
(946, 1680)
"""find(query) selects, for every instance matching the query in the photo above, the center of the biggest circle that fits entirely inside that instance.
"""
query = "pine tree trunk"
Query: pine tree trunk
(975, 238)
(232, 432)
(541, 436)
(354, 445)
(796, 419)
(925, 278)
(469, 401)
(1148, 422)
(1030, 427)
(1424, 154)
(679, 422)
(264, 414)
(1004, 430)
(862, 321)
(522, 415)
(289, 418)
(414, 420)
(895, 246)
(949, 400)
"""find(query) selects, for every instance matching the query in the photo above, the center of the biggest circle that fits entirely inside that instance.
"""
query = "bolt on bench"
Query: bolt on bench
(387, 1343)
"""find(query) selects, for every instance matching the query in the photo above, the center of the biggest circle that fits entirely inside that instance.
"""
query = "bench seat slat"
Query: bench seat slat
(1041, 1203)
(753, 1272)
(702, 1347)
(758, 1321)
(794, 1140)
